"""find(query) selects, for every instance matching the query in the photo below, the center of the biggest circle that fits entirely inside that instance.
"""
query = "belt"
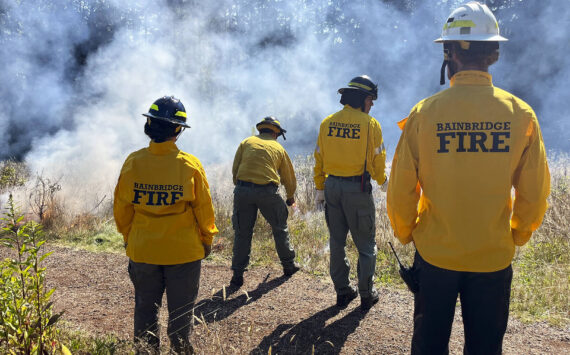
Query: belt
(348, 178)
(251, 184)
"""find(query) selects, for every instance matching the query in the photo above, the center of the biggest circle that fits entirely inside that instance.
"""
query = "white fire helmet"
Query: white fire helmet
(471, 22)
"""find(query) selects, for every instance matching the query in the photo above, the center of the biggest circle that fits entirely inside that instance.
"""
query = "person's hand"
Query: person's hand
(384, 186)
(290, 201)
(207, 250)
(320, 200)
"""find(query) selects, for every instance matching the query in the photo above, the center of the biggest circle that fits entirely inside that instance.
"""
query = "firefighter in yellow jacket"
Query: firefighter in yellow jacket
(164, 211)
(260, 165)
(349, 152)
(460, 153)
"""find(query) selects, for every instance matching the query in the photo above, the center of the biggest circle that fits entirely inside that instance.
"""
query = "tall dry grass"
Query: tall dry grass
(541, 285)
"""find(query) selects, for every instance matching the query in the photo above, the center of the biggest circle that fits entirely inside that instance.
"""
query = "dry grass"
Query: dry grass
(541, 285)
(541, 281)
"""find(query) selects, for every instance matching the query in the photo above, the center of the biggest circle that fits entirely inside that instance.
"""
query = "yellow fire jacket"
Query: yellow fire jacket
(460, 153)
(163, 206)
(345, 139)
(262, 160)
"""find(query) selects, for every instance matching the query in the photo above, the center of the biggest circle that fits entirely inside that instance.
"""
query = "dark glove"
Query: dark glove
(207, 250)
(320, 200)
(290, 201)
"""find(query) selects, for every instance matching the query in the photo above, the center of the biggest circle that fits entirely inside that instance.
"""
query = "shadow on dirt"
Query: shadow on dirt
(312, 336)
(220, 307)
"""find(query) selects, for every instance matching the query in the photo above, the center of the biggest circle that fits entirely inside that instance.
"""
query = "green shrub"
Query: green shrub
(12, 174)
(27, 322)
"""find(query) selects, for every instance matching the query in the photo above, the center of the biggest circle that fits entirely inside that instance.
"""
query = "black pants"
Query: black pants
(484, 307)
(181, 283)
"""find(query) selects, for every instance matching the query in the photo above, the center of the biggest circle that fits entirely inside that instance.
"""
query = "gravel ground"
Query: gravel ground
(269, 313)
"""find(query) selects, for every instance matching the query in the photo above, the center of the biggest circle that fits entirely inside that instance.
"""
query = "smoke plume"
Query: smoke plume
(76, 75)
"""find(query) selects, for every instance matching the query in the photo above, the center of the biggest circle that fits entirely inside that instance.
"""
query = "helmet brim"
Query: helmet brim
(272, 127)
(472, 38)
(170, 120)
(341, 90)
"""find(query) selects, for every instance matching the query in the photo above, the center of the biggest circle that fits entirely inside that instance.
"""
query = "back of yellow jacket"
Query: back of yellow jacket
(345, 139)
(163, 206)
(262, 160)
(459, 155)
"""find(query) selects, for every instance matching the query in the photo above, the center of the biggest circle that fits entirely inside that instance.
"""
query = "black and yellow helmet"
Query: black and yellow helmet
(363, 84)
(169, 109)
(271, 123)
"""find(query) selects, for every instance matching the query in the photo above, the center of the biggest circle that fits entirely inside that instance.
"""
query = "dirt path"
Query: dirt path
(288, 316)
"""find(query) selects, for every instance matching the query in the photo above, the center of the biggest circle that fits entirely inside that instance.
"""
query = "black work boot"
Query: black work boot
(181, 348)
(237, 279)
(289, 270)
(342, 300)
(366, 302)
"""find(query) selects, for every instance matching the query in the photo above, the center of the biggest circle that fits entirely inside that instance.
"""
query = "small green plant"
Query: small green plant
(12, 174)
(27, 322)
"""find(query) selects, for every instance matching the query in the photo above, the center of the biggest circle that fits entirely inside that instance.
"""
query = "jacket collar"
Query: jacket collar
(350, 108)
(162, 148)
(472, 77)
(266, 136)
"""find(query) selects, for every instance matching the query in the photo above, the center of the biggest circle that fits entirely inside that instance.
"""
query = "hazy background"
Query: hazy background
(76, 75)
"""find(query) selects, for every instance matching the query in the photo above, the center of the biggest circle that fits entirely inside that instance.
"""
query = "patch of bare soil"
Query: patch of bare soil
(269, 312)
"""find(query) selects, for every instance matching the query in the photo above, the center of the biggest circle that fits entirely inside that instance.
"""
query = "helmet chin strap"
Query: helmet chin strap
(442, 74)
(446, 62)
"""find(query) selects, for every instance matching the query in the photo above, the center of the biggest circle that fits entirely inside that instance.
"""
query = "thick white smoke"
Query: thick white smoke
(78, 74)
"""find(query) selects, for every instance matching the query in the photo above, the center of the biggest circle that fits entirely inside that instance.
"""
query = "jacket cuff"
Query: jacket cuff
(206, 239)
(520, 237)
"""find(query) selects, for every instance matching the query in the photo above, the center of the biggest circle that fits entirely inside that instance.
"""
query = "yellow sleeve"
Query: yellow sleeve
(237, 161)
(123, 212)
(376, 154)
(532, 187)
(403, 193)
(287, 174)
(203, 207)
(318, 173)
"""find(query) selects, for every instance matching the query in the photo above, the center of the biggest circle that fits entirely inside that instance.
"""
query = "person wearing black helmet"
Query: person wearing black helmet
(260, 165)
(349, 153)
(164, 211)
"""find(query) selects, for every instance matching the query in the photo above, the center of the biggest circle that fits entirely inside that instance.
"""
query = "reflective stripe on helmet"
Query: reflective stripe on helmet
(460, 23)
(362, 86)
(153, 107)
(181, 114)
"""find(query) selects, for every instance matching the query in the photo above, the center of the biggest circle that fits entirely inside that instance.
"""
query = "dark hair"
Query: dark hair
(160, 131)
(354, 98)
(266, 130)
(479, 53)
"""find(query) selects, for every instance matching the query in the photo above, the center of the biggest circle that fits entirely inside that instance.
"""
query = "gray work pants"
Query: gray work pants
(348, 208)
(266, 199)
(181, 283)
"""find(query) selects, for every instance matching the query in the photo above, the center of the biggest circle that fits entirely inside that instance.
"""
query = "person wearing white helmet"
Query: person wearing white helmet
(460, 154)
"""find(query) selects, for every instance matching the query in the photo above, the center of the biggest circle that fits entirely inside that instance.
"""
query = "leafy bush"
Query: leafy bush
(27, 322)
(12, 174)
